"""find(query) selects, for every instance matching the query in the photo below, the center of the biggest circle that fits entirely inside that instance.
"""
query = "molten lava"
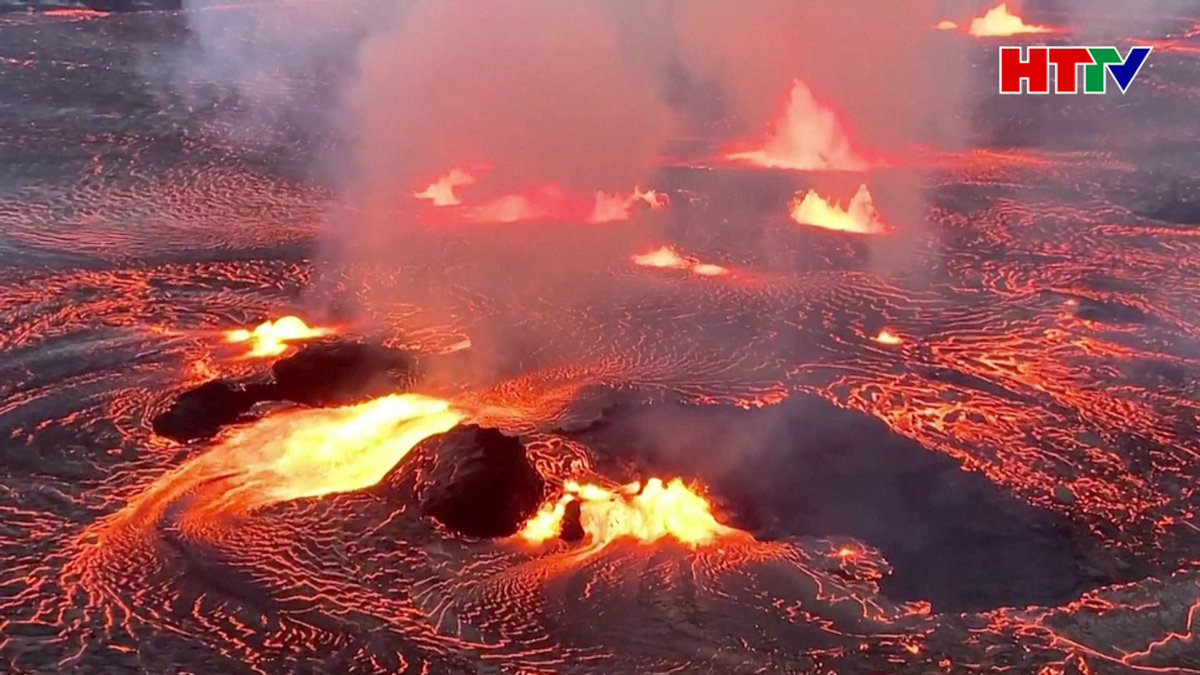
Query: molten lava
(886, 337)
(945, 24)
(76, 12)
(998, 21)
(645, 514)
(613, 207)
(668, 258)
(807, 135)
(313, 452)
(271, 338)
(859, 217)
(551, 202)
(542, 202)
(441, 191)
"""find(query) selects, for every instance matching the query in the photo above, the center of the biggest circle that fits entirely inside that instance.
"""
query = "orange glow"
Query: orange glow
(663, 256)
(886, 337)
(998, 21)
(612, 207)
(514, 208)
(76, 12)
(806, 135)
(314, 452)
(668, 258)
(551, 202)
(272, 338)
(845, 552)
(537, 203)
(655, 199)
(859, 217)
(945, 24)
(645, 514)
(441, 191)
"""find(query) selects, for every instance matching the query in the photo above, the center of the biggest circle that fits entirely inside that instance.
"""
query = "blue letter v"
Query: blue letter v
(1124, 73)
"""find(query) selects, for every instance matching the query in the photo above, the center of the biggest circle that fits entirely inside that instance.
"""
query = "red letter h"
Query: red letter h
(1035, 70)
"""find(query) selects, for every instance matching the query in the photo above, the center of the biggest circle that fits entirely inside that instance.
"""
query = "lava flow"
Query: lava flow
(441, 192)
(806, 135)
(967, 446)
(551, 202)
(539, 203)
(666, 257)
(998, 22)
(645, 514)
(304, 453)
(886, 337)
(272, 338)
(76, 12)
(859, 217)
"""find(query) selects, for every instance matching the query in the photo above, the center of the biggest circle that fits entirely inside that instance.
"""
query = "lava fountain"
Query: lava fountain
(544, 202)
(441, 192)
(859, 216)
(272, 338)
(998, 21)
(806, 135)
(665, 257)
(887, 337)
(646, 514)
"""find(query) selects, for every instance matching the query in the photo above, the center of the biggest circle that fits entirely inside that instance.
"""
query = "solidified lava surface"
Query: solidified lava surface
(1010, 486)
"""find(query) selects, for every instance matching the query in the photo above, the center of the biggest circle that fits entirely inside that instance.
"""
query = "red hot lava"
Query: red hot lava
(806, 135)
(999, 22)
(858, 217)
(645, 514)
(666, 257)
(441, 192)
(272, 338)
(539, 203)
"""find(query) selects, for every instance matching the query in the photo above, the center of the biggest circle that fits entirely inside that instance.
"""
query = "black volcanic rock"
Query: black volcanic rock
(327, 373)
(201, 412)
(1109, 312)
(340, 373)
(805, 466)
(572, 525)
(480, 483)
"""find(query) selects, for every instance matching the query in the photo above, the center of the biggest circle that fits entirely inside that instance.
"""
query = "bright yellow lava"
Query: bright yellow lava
(666, 257)
(998, 21)
(313, 452)
(271, 338)
(645, 514)
(859, 217)
(886, 337)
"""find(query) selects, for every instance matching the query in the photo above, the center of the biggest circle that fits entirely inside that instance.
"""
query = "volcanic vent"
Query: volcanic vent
(573, 337)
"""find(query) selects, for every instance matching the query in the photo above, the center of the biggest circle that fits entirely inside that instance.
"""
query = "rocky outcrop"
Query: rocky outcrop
(330, 373)
(480, 483)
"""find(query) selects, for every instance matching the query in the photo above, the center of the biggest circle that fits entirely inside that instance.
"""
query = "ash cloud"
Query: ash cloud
(585, 95)
(879, 62)
(262, 75)
(541, 90)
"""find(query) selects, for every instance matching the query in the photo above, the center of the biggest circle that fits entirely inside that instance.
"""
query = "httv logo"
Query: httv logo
(1098, 63)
